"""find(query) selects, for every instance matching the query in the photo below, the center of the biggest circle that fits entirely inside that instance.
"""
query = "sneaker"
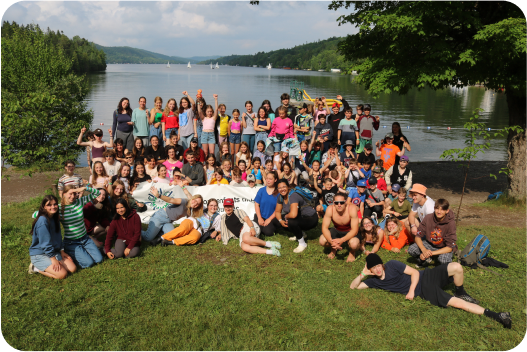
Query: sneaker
(465, 297)
(165, 243)
(275, 251)
(31, 269)
(505, 319)
(428, 261)
(420, 263)
(156, 241)
(294, 238)
(275, 244)
(374, 218)
(299, 249)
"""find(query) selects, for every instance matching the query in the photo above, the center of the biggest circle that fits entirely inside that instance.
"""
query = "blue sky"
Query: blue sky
(186, 28)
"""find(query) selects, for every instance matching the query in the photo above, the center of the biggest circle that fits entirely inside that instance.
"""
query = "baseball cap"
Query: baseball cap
(348, 142)
(368, 146)
(396, 187)
(372, 181)
(389, 135)
(377, 169)
(367, 107)
(361, 183)
(404, 157)
(250, 178)
(418, 188)
(228, 202)
(194, 140)
(335, 105)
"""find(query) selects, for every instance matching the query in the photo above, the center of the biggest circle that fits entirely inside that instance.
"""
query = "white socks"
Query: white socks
(302, 242)
(269, 251)
(268, 244)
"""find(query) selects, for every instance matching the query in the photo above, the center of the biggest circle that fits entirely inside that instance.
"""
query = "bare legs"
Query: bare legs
(353, 244)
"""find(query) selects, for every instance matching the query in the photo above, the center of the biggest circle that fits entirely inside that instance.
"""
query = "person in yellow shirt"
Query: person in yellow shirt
(217, 178)
(224, 123)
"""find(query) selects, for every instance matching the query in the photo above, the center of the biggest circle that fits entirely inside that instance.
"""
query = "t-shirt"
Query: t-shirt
(233, 224)
(395, 280)
(223, 181)
(345, 159)
(324, 130)
(65, 180)
(249, 120)
(179, 151)
(124, 180)
(138, 179)
(159, 154)
(427, 208)
(186, 123)
(404, 210)
(356, 198)
(175, 212)
(160, 180)
(381, 184)
(348, 126)
(100, 182)
(388, 154)
(377, 194)
(363, 157)
(224, 125)
(305, 121)
(325, 158)
(328, 195)
(244, 157)
(170, 169)
(367, 174)
(266, 202)
(241, 184)
(171, 121)
(296, 198)
(112, 170)
(353, 176)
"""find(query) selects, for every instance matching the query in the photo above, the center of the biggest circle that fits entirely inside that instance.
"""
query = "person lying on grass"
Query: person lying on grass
(345, 227)
(236, 224)
(46, 253)
(428, 284)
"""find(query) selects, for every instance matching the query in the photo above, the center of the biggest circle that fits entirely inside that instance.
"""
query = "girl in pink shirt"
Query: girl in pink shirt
(282, 128)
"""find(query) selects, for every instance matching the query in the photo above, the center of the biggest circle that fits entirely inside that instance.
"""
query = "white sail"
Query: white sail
(217, 65)
(211, 66)
(269, 67)
(188, 66)
(168, 64)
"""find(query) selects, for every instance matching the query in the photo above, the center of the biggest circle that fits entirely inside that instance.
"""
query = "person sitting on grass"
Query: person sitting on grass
(357, 196)
(46, 253)
(97, 216)
(395, 235)
(436, 236)
(374, 201)
(294, 214)
(399, 207)
(210, 222)
(421, 207)
(345, 227)
(236, 224)
(126, 226)
(428, 284)
(370, 234)
(328, 193)
(118, 191)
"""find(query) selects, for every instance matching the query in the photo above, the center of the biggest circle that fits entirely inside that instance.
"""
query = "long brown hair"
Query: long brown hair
(135, 151)
(198, 212)
(63, 199)
(124, 195)
(95, 176)
(374, 230)
(43, 212)
(167, 110)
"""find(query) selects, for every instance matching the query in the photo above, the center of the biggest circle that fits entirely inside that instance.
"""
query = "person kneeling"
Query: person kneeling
(346, 227)
(127, 226)
(428, 284)
(236, 224)
(436, 236)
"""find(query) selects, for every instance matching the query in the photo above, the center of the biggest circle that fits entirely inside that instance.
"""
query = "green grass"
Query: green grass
(504, 202)
(216, 297)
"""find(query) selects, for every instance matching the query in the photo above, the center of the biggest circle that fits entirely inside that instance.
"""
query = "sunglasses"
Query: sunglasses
(98, 135)
(339, 202)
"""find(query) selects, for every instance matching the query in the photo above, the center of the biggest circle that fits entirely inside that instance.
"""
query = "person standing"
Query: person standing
(122, 123)
(366, 124)
(156, 114)
(262, 127)
(303, 124)
(336, 115)
(290, 110)
(186, 121)
(388, 151)
(248, 122)
(169, 120)
(140, 122)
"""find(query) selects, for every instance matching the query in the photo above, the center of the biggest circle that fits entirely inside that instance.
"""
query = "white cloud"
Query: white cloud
(186, 28)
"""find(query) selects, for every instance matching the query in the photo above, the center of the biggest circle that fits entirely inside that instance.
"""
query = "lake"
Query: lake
(415, 111)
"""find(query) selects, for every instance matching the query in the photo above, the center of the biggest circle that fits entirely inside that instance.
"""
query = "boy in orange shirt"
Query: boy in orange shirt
(388, 151)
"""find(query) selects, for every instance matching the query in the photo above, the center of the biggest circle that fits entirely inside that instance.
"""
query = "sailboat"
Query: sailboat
(212, 68)
(217, 65)
(188, 66)
(269, 66)
(168, 64)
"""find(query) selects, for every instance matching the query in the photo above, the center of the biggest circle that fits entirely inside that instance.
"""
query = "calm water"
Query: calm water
(235, 85)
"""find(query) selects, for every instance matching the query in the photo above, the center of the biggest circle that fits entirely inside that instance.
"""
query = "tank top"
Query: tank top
(97, 152)
(342, 228)
(262, 122)
(158, 117)
(208, 123)
(258, 175)
(236, 126)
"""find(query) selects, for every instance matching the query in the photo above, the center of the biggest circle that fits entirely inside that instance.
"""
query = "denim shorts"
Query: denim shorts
(208, 138)
(42, 261)
(235, 138)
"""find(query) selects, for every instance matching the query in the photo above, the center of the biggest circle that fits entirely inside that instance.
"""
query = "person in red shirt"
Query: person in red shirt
(388, 151)
(381, 183)
(200, 155)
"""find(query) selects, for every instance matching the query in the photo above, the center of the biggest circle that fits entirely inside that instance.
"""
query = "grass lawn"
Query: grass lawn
(216, 297)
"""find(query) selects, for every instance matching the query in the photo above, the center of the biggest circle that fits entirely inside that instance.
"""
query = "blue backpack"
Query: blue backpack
(475, 252)
(306, 194)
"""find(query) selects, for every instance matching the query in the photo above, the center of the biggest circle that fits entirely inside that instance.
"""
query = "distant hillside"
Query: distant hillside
(196, 59)
(128, 55)
(320, 55)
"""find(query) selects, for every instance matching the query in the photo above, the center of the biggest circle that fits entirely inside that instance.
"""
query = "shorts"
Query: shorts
(246, 228)
(208, 138)
(235, 138)
(42, 261)
(432, 283)
(339, 234)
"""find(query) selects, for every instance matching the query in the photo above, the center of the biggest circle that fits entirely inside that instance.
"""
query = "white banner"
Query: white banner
(243, 197)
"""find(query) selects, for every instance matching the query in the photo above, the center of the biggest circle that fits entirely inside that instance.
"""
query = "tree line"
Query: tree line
(83, 53)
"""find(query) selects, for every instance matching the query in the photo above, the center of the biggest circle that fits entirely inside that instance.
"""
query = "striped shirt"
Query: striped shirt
(73, 221)
(65, 180)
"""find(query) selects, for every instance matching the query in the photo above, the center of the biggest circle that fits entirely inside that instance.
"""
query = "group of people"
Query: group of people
(362, 200)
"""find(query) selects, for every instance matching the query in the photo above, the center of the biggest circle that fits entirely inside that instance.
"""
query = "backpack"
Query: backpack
(475, 252)
(306, 194)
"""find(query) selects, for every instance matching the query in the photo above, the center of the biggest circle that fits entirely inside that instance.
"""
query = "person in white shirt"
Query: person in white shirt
(111, 165)
(423, 205)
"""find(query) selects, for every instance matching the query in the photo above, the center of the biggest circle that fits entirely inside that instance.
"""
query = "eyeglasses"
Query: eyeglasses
(339, 202)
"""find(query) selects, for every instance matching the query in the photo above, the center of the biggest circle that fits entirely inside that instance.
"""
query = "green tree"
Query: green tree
(43, 106)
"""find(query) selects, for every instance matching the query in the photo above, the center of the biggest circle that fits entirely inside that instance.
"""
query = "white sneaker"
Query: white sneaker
(299, 249)
(292, 238)
(31, 269)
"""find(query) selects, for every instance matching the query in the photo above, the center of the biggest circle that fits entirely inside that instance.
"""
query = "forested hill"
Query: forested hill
(319, 55)
(86, 57)
(128, 55)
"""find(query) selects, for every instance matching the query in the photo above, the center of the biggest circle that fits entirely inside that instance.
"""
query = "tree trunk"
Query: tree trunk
(517, 147)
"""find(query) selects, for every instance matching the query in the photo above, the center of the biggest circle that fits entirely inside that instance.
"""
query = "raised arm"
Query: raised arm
(109, 145)
(215, 106)
(79, 140)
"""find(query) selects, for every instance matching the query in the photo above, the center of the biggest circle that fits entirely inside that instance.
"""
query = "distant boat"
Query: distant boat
(269, 66)
(188, 66)
(255, 65)
(168, 64)
(286, 68)
(217, 65)
(335, 70)
(212, 68)
(321, 70)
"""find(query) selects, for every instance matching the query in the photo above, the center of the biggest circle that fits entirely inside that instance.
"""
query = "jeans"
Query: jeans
(259, 136)
(157, 132)
(199, 130)
(127, 137)
(185, 141)
(83, 251)
(145, 139)
(249, 138)
(158, 222)
(168, 131)
(277, 146)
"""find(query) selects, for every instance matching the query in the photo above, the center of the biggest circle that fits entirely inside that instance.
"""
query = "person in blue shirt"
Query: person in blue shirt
(357, 195)
(265, 205)
(366, 169)
(46, 251)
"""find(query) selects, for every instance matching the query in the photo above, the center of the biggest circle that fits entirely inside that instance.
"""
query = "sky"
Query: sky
(186, 29)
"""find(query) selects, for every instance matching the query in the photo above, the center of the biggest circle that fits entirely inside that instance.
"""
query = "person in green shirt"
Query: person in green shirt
(140, 122)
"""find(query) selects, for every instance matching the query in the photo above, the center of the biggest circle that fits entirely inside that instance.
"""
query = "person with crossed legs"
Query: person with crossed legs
(345, 230)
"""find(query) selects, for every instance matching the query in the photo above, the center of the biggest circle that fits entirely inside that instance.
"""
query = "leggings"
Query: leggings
(270, 229)
(301, 223)
(184, 234)
(120, 246)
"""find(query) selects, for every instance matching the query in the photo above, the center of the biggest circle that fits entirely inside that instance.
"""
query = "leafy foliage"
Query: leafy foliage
(43, 104)
(319, 55)
(86, 57)
(128, 55)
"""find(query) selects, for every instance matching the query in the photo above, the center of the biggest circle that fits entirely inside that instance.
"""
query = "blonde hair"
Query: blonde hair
(195, 212)
(396, 222)
(63, 199)
(156, 99)
(247, 153)
(167, 110)
(95, 176)
(124, 195)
